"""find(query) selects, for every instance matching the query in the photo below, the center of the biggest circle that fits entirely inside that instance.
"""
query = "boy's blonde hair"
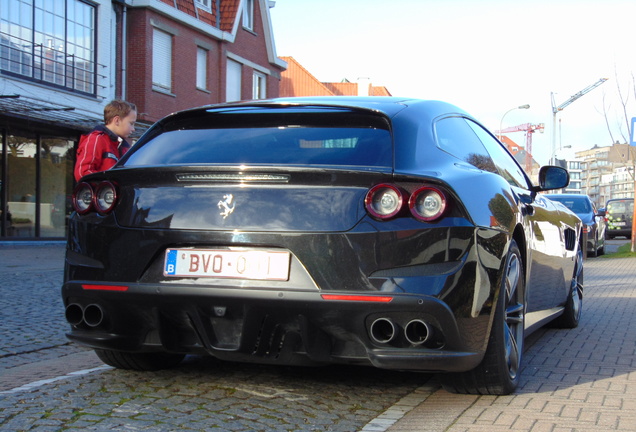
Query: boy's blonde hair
(116, 108)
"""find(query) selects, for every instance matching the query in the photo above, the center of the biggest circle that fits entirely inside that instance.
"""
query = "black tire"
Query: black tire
(139, 361)
(574, 304)
(499, 371)
(594, 251)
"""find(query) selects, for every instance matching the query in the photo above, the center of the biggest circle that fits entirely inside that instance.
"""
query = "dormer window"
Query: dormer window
(248, 14)
(203, 4)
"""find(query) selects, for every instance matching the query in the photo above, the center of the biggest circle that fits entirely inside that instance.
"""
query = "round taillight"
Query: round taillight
(384, 201)
(427, 204)
(83, 198)
(105, 197)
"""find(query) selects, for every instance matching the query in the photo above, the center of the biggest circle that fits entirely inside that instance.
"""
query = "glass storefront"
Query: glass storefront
(36, 178)
(56, 160)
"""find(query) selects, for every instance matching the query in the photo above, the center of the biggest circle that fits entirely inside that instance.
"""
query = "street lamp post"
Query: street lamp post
(526, 106)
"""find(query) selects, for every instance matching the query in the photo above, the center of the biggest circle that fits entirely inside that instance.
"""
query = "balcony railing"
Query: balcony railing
(47, 65)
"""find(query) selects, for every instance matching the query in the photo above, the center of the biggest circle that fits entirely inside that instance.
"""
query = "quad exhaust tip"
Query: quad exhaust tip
(382, 330)
(91, 315)
(416, 332)
(74, 314)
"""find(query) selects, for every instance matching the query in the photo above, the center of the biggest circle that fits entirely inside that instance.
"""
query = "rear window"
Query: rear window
(296, 139)
(625, 208)
(577, 205)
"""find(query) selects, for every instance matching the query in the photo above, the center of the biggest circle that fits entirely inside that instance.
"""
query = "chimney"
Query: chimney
(363, 86)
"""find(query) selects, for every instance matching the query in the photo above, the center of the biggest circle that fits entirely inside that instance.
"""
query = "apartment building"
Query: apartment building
(603, 173)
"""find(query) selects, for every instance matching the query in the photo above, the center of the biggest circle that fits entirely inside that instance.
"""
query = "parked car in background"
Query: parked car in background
(593, 220)
(388, 232)
(619, 214)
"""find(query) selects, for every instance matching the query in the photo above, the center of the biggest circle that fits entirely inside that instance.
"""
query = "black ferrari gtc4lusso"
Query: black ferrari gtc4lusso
(396, 233)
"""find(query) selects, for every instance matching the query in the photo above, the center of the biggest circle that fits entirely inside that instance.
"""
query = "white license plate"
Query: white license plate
(619, 223)
(224, 263)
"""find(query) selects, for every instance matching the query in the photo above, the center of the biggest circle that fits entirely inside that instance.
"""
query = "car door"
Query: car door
(545, 287)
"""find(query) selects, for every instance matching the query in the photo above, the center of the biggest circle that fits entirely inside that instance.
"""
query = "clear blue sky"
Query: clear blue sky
(484, 56)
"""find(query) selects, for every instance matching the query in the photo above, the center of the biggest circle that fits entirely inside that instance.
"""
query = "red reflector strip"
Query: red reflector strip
(379, 299)
(105, 287)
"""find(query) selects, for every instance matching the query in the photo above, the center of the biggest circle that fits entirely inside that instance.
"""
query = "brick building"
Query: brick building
(185, 53)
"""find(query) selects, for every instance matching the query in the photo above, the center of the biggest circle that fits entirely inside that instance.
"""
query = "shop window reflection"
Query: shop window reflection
(29, 214)
(21, 170)
(56, 167)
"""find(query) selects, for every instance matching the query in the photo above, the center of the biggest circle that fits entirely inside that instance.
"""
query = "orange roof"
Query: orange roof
(298, 81)
(512, 146)
(229, 9)
(228, 12)
(379, 91)
(343, 88)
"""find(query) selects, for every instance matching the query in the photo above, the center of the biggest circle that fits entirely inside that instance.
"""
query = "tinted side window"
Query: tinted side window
(454, 136)
(506, 164)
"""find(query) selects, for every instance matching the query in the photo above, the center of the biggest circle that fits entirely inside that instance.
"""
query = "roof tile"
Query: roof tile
(298, 81)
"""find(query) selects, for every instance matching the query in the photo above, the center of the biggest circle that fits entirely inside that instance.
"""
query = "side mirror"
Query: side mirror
(552, 177)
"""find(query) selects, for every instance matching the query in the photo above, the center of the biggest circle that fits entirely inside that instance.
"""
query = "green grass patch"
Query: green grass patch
(624, 251)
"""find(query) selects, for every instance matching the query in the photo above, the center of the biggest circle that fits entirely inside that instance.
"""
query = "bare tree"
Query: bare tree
(620, 115)
(626, 97)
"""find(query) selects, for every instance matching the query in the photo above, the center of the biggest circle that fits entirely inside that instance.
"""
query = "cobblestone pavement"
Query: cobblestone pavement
(41, 389)
(573, 380)
(31, 310)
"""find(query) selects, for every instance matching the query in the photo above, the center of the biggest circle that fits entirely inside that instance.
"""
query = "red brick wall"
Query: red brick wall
(251, 45)
(153, 105)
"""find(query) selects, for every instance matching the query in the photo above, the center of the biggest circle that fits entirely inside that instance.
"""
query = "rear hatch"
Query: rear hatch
(274, 169)
(262, 200)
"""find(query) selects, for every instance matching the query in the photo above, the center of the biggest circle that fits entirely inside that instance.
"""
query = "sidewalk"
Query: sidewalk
(573, 380)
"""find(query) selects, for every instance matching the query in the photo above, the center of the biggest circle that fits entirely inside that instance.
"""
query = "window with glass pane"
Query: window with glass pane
(203, 4)
(21, 193)
(50, 41)
(248, 15)
(56, 172)
(202, 68)
(259, 88)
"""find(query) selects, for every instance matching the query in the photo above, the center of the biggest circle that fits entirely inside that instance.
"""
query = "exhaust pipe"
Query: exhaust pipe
(382, 330)
(74, 314)
(417, 332)
(93, 315)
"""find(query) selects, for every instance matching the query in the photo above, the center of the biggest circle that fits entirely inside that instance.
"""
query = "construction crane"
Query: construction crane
(529, 129)
(556, 109)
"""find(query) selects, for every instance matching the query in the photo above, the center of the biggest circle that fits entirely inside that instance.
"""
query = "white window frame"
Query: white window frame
(248, 14)
(161, 60)
(204, 4)
(259, 86)
(202, 69)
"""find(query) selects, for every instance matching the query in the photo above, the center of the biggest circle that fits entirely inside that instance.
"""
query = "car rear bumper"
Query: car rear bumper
(614, 232)
(413, 332)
